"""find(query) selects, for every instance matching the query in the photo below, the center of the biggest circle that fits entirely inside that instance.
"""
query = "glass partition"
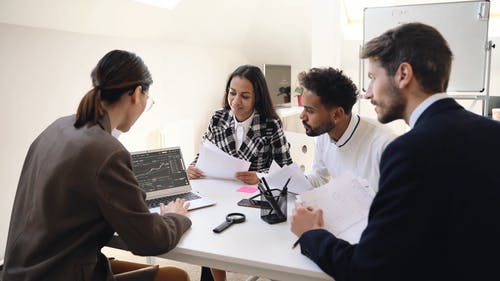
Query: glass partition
(278, 79)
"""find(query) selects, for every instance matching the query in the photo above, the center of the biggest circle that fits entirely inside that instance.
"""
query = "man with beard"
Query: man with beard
(435, 216)
(346, 142)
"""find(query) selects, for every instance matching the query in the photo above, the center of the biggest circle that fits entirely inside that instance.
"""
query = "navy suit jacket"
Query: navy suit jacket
(437, 213)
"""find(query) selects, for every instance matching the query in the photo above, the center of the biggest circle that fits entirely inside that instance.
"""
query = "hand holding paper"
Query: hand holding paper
(248, 177)
(345, 201)
(215, 163)
(306, 218)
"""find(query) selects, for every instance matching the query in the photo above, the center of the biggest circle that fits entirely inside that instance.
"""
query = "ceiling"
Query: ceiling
(220, 22)
(228, 23)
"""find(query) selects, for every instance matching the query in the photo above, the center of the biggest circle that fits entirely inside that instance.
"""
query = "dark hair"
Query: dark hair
(420, 45)
(117, 73)
(332, 87)
(263, 103)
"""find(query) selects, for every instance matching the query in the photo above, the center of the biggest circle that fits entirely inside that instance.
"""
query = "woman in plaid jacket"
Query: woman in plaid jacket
(247, 127)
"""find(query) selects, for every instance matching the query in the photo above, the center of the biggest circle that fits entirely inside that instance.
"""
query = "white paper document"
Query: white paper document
(345, 201)
(216, 163)
(274, 167)
(277, 178)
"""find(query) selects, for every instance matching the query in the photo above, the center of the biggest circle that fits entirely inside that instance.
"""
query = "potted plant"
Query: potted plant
(299, 90)
(285, 91)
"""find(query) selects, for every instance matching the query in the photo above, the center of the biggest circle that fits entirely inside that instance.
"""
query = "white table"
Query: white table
(253, 247)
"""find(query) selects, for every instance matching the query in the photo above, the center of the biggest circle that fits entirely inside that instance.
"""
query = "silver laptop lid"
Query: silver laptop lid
(160, 172)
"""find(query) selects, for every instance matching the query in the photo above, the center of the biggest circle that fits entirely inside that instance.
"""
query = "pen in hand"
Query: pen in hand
(298, 203)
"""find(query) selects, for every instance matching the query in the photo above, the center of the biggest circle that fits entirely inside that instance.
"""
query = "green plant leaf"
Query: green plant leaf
(299, 90)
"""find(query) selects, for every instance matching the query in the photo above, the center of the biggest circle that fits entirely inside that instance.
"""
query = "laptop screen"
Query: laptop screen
(159, 169)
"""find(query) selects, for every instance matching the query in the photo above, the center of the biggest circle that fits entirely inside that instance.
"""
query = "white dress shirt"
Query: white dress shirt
(423, 106)
(357, 151)
(241, 129)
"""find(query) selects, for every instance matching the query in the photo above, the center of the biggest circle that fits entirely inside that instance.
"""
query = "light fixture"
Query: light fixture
(166, 4)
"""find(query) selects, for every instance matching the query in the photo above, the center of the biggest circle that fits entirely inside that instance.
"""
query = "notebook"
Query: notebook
(162, 175)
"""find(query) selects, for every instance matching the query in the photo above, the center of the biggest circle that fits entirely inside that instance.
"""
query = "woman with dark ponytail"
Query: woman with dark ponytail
(77, 188)
(117, 73)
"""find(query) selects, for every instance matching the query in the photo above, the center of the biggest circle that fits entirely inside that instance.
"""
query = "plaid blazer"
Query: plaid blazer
(264, 142)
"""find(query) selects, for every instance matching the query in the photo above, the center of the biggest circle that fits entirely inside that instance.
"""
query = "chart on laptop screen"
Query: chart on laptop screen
(156, 170)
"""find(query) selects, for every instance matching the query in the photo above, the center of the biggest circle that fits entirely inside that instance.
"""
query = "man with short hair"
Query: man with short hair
(435, 216)
(346, 143)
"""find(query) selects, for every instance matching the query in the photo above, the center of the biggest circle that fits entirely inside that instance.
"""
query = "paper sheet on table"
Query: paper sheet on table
(345, 201)
(277, 178)
(215, 163)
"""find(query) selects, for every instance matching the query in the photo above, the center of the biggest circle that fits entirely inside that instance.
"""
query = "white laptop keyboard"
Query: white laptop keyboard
(152, 203)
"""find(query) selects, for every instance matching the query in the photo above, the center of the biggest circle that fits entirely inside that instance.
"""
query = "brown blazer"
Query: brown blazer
(76, 189)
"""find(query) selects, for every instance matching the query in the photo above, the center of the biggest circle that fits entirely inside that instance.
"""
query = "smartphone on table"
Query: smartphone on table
(254, 203)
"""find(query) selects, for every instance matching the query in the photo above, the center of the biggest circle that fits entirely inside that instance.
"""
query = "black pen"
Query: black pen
(267, 187)
(261, 188)
(285, 188)
(296, 243)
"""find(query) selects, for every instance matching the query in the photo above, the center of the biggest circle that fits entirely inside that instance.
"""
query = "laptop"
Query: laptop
(162, 175)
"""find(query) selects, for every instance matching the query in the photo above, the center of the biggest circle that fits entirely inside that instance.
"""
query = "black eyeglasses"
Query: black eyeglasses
(150, 102)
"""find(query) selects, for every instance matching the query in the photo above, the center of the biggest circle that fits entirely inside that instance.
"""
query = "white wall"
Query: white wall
(286, 40)
(45, 73)
(326, 33)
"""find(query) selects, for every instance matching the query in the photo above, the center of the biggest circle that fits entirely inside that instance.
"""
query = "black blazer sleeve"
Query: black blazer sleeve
(397, 216)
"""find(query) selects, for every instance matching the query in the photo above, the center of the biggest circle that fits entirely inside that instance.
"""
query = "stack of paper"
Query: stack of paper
(345, 201)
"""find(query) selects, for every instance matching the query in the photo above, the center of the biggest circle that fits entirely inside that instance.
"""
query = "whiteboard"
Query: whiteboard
(463, 24)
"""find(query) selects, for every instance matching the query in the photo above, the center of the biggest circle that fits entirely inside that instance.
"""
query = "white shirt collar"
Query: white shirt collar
(245, 124)
(424, 105)
(346, 136)
(241, 129)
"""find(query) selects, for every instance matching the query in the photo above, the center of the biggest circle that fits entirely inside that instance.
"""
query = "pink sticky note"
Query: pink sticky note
(247, 189)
